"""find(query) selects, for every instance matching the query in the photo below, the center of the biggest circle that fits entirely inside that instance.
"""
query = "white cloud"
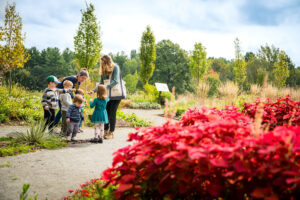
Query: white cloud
(214, 23)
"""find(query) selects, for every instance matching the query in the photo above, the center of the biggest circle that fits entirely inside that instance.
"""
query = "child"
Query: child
(99, 117)
(82, 108)
(73, 117)
(66, 101)
(50, 100)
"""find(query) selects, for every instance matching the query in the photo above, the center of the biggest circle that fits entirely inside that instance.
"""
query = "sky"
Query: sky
(214, 23)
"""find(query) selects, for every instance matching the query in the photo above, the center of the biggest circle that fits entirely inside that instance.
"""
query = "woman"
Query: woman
(76, 80)
(110, 76)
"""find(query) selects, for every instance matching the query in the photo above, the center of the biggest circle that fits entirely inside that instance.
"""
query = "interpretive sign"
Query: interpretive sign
(162, 87)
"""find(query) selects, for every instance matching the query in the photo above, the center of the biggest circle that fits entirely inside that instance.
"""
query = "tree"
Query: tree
(131, 81)
(133, 54)
(147, 55)
(281, 71)
(268, 55)
(87, 42)
(172, 67)
(239, 67)
(291, 80)
(223, 67)
(120, 59)
(12, 52)
(130, 67)
(199, 65)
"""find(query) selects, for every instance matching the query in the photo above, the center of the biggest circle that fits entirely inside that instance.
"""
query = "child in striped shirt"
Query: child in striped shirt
(50, 99)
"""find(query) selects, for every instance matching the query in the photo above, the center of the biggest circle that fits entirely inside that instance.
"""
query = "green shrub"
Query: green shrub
(19, 105)
(3, 118)
(214, 82)
(133, 119)
(144, 105)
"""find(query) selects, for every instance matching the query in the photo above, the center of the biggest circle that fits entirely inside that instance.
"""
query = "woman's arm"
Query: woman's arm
(115, 77)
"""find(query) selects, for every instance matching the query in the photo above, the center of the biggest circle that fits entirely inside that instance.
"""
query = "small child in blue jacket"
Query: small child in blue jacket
(73, 117)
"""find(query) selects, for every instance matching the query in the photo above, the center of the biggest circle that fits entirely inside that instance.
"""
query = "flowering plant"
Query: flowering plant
(282, 112)
(212, 153)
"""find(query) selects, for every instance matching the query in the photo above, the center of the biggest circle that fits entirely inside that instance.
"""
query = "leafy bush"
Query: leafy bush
(133, 119)
(141, 96)
(144, 105)
(213, 82)
(283, 111)
(20, 104)
(210, 153)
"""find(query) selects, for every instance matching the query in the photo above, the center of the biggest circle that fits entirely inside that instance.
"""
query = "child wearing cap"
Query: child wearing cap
(50, 99)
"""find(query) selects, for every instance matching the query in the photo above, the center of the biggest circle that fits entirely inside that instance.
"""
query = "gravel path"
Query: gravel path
(51, 173)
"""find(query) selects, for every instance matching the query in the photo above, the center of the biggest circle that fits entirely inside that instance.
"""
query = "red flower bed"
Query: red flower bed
(282, 112)
(210, 153)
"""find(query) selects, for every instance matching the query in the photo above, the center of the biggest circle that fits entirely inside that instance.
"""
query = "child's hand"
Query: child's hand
(73, 90)
(46, 107)
(91, 92)
(68, 120)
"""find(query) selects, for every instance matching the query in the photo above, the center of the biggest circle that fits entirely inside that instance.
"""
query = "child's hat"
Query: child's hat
(52, 79)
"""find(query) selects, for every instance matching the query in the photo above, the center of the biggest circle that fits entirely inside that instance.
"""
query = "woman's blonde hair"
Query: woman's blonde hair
(101, 92)
(107, 66)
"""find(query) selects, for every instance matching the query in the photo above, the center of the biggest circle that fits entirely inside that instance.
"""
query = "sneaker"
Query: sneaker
(68, 138)
(73, 139)
(80, 130)
(100, 140)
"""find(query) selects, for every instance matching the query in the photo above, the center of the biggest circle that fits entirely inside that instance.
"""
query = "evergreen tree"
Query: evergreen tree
(239, 67)
(87, 42)
(147, 56)
(12, 53)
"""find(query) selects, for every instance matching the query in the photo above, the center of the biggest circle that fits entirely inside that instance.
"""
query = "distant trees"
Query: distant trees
(147, 55)
(87, 42)
(43, 63)
(12, 51)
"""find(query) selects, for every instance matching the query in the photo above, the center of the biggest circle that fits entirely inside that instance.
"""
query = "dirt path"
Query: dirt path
(51, 173)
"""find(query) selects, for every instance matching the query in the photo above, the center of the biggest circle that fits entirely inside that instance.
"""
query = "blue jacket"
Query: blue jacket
(73, 79)
(74, 113)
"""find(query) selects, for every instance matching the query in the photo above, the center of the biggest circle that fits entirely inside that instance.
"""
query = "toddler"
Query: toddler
(66, 101)
(99, 117)
(73, 117)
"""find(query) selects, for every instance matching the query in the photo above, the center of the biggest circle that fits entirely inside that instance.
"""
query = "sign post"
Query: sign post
(161, 87)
